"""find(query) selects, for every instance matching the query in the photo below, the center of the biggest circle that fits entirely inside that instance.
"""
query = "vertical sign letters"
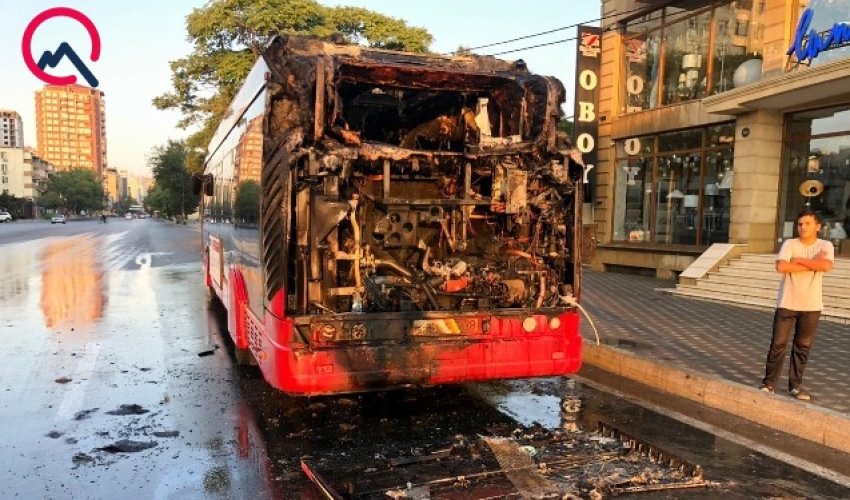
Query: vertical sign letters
(586, 114)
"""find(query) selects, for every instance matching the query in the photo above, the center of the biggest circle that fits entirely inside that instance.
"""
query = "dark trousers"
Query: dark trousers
(804, 324)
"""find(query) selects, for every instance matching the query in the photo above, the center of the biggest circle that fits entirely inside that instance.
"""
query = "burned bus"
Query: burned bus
(375, 219)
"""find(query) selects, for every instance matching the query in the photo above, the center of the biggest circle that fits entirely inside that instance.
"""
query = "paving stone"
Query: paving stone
(723, 340)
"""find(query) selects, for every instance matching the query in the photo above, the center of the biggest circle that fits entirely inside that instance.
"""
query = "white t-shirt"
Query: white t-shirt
(802, 291)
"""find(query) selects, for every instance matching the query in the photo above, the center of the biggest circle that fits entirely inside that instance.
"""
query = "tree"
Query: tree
(172, 190)
(462, 50)
(228, 36)
(50, 200)
(246, 207)
(154, 201)
(123, 205)
(78, 189)
(12, 204)
(566, 125)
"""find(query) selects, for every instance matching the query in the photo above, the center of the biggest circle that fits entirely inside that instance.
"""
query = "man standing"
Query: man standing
(802, 262)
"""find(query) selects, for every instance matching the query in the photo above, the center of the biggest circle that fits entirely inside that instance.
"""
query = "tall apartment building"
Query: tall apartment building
(71, 127)
(23, 174)
(123, 184)
(11, 129)
(138, 186)
(110, 186)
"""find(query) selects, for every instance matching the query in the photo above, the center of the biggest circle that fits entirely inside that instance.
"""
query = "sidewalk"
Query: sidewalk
(726, 341)
(669, 350)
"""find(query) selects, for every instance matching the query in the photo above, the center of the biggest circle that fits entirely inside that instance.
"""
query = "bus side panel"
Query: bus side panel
(216, 263)
(238, 308)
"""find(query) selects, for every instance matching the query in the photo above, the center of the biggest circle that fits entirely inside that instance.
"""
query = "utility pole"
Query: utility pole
(183, 192)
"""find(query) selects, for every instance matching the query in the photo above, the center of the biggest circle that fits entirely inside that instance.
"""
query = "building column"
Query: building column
(755, 186)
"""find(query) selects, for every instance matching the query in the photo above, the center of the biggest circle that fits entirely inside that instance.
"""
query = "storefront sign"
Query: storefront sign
(810, 45)
(632, 148)
(587, 101)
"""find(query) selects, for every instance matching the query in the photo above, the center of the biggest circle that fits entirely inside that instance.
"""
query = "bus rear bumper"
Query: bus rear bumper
(368, 367)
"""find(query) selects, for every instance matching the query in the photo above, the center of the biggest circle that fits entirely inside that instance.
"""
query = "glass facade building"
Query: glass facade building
(718, 124)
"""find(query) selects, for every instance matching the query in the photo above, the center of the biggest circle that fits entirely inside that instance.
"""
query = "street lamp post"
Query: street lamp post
(183, 193)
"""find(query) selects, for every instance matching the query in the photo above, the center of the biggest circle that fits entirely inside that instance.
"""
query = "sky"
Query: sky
(140, 38)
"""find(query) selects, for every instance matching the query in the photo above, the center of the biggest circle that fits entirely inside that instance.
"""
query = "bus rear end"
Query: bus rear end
(421, 222)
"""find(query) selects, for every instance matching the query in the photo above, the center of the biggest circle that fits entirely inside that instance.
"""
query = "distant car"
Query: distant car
(58, 218)
(128, 216)
(5, 216)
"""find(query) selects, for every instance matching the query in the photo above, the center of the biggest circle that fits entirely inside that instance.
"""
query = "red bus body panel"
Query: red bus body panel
(507, 351)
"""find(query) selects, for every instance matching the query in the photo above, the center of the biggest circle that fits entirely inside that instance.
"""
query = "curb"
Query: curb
(804, 420)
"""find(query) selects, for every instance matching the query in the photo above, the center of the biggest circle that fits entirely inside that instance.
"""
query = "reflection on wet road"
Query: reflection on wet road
(102, 391)
(72, 282)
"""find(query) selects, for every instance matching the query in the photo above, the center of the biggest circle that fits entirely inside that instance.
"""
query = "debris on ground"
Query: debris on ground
(82, 458)
(132, 409)
(530, 462)
(208, 352)
(62, 380)
(166, 434)
(128, 446)
(84, 414)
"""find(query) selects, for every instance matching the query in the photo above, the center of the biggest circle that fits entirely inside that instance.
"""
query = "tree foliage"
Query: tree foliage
(123, 205)
(50, 200)
(228, 35)
(568, 126)
(12, 204)
(172, 190)
(78, 189)
(246, 207)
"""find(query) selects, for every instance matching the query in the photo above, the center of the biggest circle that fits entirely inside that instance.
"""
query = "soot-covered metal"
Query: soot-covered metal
(423, 183)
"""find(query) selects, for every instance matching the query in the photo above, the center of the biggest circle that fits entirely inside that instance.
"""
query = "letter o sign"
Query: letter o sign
(585, 143)
(632, 146)
(587, 79)
(634, 85)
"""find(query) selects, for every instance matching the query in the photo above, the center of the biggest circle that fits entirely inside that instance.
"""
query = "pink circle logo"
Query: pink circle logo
(52, 59)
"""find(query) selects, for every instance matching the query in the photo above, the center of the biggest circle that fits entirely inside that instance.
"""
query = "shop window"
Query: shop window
(677, 201)
(683, 34)
(675, 193)
(816, 172)
(686, 59)
(717, 196)
(633, 189)
(737, 46)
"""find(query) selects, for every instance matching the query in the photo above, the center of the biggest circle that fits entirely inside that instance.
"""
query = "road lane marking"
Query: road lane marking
(72, 402)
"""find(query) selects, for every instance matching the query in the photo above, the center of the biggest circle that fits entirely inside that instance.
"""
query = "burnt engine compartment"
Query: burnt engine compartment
(458, 235)
(426, 190)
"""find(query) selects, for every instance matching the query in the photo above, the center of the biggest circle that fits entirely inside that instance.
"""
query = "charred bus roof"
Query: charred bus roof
(412, 101)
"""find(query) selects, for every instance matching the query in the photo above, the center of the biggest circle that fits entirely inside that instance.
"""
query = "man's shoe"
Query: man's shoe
(766, 388)
(800, 393)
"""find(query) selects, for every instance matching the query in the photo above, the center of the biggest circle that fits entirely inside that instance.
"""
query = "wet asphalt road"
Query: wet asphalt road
(113, 312)
(103, 393)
